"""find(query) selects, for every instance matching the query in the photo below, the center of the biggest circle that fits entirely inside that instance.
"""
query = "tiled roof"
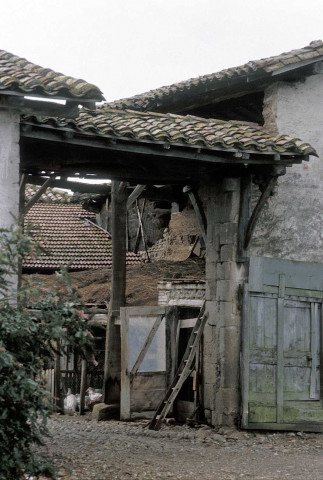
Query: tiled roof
(50, 195)
(70, 239)
(19, 75)
(179, 130)
(152, 100)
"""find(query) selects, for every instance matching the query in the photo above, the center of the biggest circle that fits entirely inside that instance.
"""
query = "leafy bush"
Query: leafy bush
(27, 344)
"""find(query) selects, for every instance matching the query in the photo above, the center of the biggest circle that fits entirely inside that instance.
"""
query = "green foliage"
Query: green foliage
(27, 343)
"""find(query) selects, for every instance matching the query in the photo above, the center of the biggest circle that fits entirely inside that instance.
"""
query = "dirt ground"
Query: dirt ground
(85, 450)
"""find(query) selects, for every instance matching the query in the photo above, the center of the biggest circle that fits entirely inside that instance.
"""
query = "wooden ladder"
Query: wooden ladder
(183, 372)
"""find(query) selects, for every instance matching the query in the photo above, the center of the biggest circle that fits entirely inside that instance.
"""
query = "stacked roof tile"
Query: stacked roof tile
(21, 76)
(152, 100)
(178, 130)
(69, 238)
(50, 195)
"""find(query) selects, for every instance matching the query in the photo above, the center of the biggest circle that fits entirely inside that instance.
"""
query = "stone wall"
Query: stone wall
(178, 237)
(291, 225)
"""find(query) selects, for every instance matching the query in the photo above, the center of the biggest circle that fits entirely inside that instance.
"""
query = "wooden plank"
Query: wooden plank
(314, 333)
(37, 195)
(125, 411)
(199, 211)
(280, 350)
(135, 194)
(147, 344)
(245, 357)
(83, 386)
(321, 349)
(245, 198)
(141, 226)
(299, 275)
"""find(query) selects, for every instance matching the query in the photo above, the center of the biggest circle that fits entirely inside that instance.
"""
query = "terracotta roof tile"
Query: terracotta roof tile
(69, 238)
(179, 130)
(51, 195)
(152, 100)
(19, 75)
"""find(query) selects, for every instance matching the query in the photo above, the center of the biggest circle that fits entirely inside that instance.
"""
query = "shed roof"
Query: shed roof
(70, 239)
(19, 76)
(178, 130)
(161, 98)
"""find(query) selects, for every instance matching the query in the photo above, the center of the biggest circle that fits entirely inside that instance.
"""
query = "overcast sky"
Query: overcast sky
(127, 47)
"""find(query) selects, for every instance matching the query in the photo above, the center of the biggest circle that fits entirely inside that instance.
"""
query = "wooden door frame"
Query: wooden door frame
(165, 312)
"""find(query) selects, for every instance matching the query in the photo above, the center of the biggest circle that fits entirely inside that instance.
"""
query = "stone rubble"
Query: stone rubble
(83, 449)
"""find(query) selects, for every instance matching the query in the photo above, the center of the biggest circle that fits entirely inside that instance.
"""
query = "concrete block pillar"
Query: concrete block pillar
(223, 276)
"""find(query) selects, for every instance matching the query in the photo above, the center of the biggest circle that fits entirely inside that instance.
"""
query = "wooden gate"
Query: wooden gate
(148, 358)
(282, 378)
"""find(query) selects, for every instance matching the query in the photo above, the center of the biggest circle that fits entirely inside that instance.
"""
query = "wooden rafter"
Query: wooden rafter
(268, 188)
(198, 209)
(37, 195)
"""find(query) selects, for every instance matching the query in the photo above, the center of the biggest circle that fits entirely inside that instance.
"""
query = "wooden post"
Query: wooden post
(57, 380)
(83, 386)
(112, 363)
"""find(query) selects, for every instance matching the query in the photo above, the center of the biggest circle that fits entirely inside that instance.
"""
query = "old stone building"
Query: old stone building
(206, 138)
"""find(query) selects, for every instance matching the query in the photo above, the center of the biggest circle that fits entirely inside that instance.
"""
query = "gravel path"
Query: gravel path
(83, 449)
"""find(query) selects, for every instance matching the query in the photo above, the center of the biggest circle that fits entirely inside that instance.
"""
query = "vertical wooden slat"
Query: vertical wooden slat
(245, 196)
(57, 378)
(172, 326)
(83, 386)
(125, 413)
(314, 318)
(280, 349)
(245, 357)
(321, 350)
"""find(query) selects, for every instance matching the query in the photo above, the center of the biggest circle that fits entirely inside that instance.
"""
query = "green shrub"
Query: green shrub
(27, 344)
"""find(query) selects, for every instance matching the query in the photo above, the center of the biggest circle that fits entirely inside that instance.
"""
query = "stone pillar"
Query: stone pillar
(221, 348)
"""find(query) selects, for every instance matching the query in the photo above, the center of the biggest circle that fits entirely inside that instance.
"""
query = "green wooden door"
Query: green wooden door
(282, 382)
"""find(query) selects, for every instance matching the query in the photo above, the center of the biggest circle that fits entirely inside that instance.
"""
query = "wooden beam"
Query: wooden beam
(80, 187)
(245, 198)
(269, 186)
(198, 209)
(112, 363)
(145, 147)
(135, 194)
(37, 195)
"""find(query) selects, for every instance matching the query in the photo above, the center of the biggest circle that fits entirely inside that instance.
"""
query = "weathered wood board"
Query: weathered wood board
(147, 358)
(282, 380)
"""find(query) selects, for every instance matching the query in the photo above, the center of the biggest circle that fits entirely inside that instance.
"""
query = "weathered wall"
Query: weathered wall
(9, 167)
(291, 226)
(178, 237)
(9, 173)
(221, 346)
